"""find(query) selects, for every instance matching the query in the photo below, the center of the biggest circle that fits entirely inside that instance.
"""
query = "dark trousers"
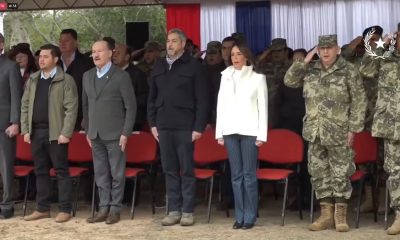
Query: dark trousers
(7, 158)
(109, 173)
(176, 148)
(47, 154)
(242, 153)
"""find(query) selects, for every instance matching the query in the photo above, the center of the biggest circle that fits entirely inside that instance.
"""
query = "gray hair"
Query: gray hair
(179, 32)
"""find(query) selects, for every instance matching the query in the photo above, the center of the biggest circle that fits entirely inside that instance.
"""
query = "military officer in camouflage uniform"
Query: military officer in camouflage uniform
(274, 63)
(386, 121)
(152, 52)
(335, 110)
(354, 53)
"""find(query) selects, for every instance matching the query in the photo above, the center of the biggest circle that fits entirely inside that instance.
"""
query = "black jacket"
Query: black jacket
(139, 81)
(179, 97)
(76, 69)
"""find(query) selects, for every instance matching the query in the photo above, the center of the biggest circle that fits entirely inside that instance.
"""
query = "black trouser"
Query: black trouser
(7, 158)
(176, 148)
(47, 154)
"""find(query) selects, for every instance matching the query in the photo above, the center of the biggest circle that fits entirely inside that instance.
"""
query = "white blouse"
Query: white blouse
(242, 106)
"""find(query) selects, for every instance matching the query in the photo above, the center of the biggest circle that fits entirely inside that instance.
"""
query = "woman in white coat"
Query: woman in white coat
(242, 128)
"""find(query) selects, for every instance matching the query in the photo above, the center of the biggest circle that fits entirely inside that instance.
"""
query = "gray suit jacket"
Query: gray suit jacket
(10, 93)
(112, 112)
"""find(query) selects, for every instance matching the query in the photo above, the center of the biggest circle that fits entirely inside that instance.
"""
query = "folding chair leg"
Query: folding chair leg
(133, 197)
(93, 196)
(210, 199)
(284, 201)
(26, 193)
(386, 203)
(312, 205)
(299, 198)
(152, 181)
(361, 186)
(76, 196)
(374, 202)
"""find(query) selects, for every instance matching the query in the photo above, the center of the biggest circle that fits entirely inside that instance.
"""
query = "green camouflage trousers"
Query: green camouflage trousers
(330, 168)
(392, 168)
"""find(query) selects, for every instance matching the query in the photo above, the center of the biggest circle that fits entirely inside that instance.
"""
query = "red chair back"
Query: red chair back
(282, 147)
(207, 150)
(141, 148)
(23, 149)
(79, 150)
(365, 147)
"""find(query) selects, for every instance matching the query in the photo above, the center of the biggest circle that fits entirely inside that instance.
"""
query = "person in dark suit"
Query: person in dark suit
(74, 63)
(109, 109)
(122, 58)
(10, 107)
(178, 110)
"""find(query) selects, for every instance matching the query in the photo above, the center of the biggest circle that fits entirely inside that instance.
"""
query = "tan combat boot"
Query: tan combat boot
(368, 204)
(341, 217)
(395, 228)
(325, 221)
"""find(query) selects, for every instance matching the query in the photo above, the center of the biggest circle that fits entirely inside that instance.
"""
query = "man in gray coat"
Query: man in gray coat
(10, 106)
(109, 108)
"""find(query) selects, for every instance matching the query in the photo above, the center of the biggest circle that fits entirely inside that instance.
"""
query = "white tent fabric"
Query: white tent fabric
(302, 21)
(217, 21)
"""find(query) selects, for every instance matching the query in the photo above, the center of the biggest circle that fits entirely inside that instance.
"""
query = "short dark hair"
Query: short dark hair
(54, 50)
(229, 39)
(300, 50)
(246, 51)
(71, 32)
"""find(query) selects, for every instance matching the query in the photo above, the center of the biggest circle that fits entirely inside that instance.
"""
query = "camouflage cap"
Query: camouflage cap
(214, 47)
(327, 40)
(278, 44)
(152, 46)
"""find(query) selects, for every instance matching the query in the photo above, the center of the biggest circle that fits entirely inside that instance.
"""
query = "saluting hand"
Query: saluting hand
(221, 141)
(259, 143)
(310, 55)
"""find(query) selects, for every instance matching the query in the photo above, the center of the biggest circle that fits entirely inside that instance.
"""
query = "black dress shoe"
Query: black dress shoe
(247, 226)
(101, 216)
(237, 225)
(112, 218)
(7, 213)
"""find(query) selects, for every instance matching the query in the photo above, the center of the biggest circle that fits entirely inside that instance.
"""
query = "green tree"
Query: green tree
(40, 27)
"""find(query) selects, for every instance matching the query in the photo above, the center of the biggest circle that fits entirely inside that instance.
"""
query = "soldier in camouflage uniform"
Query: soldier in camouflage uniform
(386, 121)
(354, 53)
(274, 63)
(335, 110)
(152, 51)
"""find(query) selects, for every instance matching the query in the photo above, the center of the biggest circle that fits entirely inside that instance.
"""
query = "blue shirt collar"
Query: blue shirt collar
(103, 70)
(52, 73)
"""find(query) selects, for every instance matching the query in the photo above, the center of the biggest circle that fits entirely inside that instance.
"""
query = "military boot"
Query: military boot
(325, 221)
(341, 217)
(368, 204)
(395, 228)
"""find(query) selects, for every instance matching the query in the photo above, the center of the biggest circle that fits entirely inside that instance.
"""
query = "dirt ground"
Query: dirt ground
(148, 226)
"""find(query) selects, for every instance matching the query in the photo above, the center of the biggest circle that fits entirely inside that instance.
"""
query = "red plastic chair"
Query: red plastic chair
(366, 151)
(23, 153)
(141, 149)
(283, 147)
(79, 152)
(208, 151)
